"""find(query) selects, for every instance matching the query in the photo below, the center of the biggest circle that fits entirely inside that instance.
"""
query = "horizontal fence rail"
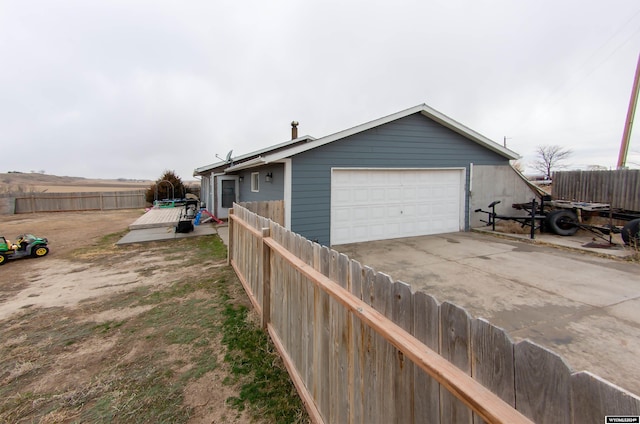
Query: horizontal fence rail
(362, 348)
(619, 188)
(81, 201)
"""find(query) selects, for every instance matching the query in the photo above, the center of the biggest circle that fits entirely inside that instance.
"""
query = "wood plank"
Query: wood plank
(339, 334)
(543, 384)
(289, 281)
(277, 306)
(473, 394)
(356, 395)
(402, 315)
(455, 346)
(492, 361)
(232, 236)
(426, 324)
(297, 310)
(322, 343)
(386, 353)
(266, 281)
(307, 317)
(370, 376)
(593, 398)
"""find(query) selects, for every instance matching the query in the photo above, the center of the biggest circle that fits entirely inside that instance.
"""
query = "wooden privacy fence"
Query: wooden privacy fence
(619, 188)
(361, 348)
(82, 201)
(272, 209)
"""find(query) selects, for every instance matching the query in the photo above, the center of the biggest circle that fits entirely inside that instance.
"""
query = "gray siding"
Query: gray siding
(411, 142)
(273, 190)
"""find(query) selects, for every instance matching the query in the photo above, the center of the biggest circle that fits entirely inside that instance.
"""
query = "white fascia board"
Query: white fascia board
(209, 167)
(273, 147)
(255, 153)
(468, 132)
(423, 108)
(248, 164)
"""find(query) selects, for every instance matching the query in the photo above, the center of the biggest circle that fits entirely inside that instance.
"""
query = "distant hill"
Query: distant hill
(22, 182)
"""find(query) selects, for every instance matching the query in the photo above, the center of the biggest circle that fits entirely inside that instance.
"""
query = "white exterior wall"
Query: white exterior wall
(490, 183)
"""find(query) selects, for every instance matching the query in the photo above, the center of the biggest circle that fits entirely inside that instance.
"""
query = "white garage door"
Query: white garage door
(379, 204)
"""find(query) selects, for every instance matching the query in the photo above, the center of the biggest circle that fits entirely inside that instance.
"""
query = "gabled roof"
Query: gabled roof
(222, 165)
(423, 109)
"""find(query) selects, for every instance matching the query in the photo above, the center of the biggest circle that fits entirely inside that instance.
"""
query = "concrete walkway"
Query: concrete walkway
(164, 233)
(159, 224)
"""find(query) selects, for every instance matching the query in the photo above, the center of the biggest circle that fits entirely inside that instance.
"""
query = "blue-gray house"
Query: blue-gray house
(407, 174)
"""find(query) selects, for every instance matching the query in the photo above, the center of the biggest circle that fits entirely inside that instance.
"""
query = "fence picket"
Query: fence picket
(307, 318)
(339, 336)
(402, 313)
(323, 350)
(356, 398)
(370, 359)
(455, 346)
(543, 384)
(492, 361)
(383, 302)
(426, 324)
(594, 398)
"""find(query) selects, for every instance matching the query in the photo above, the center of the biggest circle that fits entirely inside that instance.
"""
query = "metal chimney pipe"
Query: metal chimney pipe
(294, 130)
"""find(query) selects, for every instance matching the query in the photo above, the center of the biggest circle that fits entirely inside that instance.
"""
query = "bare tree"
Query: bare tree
(551, 158)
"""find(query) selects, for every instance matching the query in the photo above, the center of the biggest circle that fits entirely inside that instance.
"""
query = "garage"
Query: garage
(379, 204)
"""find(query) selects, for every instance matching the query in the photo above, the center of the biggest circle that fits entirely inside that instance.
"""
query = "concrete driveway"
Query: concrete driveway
(583, 306)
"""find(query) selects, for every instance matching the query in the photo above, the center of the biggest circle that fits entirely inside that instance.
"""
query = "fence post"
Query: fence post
(230, 247)
(266, 279)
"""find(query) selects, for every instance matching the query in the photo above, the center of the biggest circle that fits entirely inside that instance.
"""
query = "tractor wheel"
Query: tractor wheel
(562, 222)
(39, 251)
(631, 233)
(3, 259)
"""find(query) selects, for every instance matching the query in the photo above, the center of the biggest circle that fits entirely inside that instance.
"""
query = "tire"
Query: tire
(631, 232)
(3, 259)
(39, 251)
(562, 222)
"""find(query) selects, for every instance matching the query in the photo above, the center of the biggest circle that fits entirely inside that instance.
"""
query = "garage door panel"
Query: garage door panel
(380, 204)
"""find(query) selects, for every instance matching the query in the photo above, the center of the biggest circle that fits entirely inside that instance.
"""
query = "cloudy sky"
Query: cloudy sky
(129, 88)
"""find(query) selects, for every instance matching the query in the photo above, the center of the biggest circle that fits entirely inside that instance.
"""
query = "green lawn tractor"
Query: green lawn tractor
(26, 246)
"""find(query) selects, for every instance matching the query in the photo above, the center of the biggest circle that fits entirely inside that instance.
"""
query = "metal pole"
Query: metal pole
(628, 124)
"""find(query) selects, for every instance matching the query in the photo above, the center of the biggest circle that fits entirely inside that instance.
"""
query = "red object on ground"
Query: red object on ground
(212, 216)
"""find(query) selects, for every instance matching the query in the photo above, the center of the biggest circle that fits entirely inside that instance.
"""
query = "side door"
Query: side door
(227, 193)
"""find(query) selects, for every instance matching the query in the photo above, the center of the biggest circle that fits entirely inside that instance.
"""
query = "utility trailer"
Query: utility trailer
(565, 218)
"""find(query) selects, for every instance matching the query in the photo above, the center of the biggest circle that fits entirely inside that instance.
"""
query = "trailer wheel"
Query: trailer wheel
(562, 222)
(631, 232)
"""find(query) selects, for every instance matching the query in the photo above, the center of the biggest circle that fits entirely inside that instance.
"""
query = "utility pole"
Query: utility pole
(628, 124)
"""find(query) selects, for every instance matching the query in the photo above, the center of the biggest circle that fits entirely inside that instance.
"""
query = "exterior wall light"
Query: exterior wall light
(269, 177)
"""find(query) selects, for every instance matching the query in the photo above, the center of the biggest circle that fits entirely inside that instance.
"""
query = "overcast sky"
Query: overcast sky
(130, 88)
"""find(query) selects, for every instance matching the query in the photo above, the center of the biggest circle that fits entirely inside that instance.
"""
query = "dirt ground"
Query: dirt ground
(80, 285)
(66, 232)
